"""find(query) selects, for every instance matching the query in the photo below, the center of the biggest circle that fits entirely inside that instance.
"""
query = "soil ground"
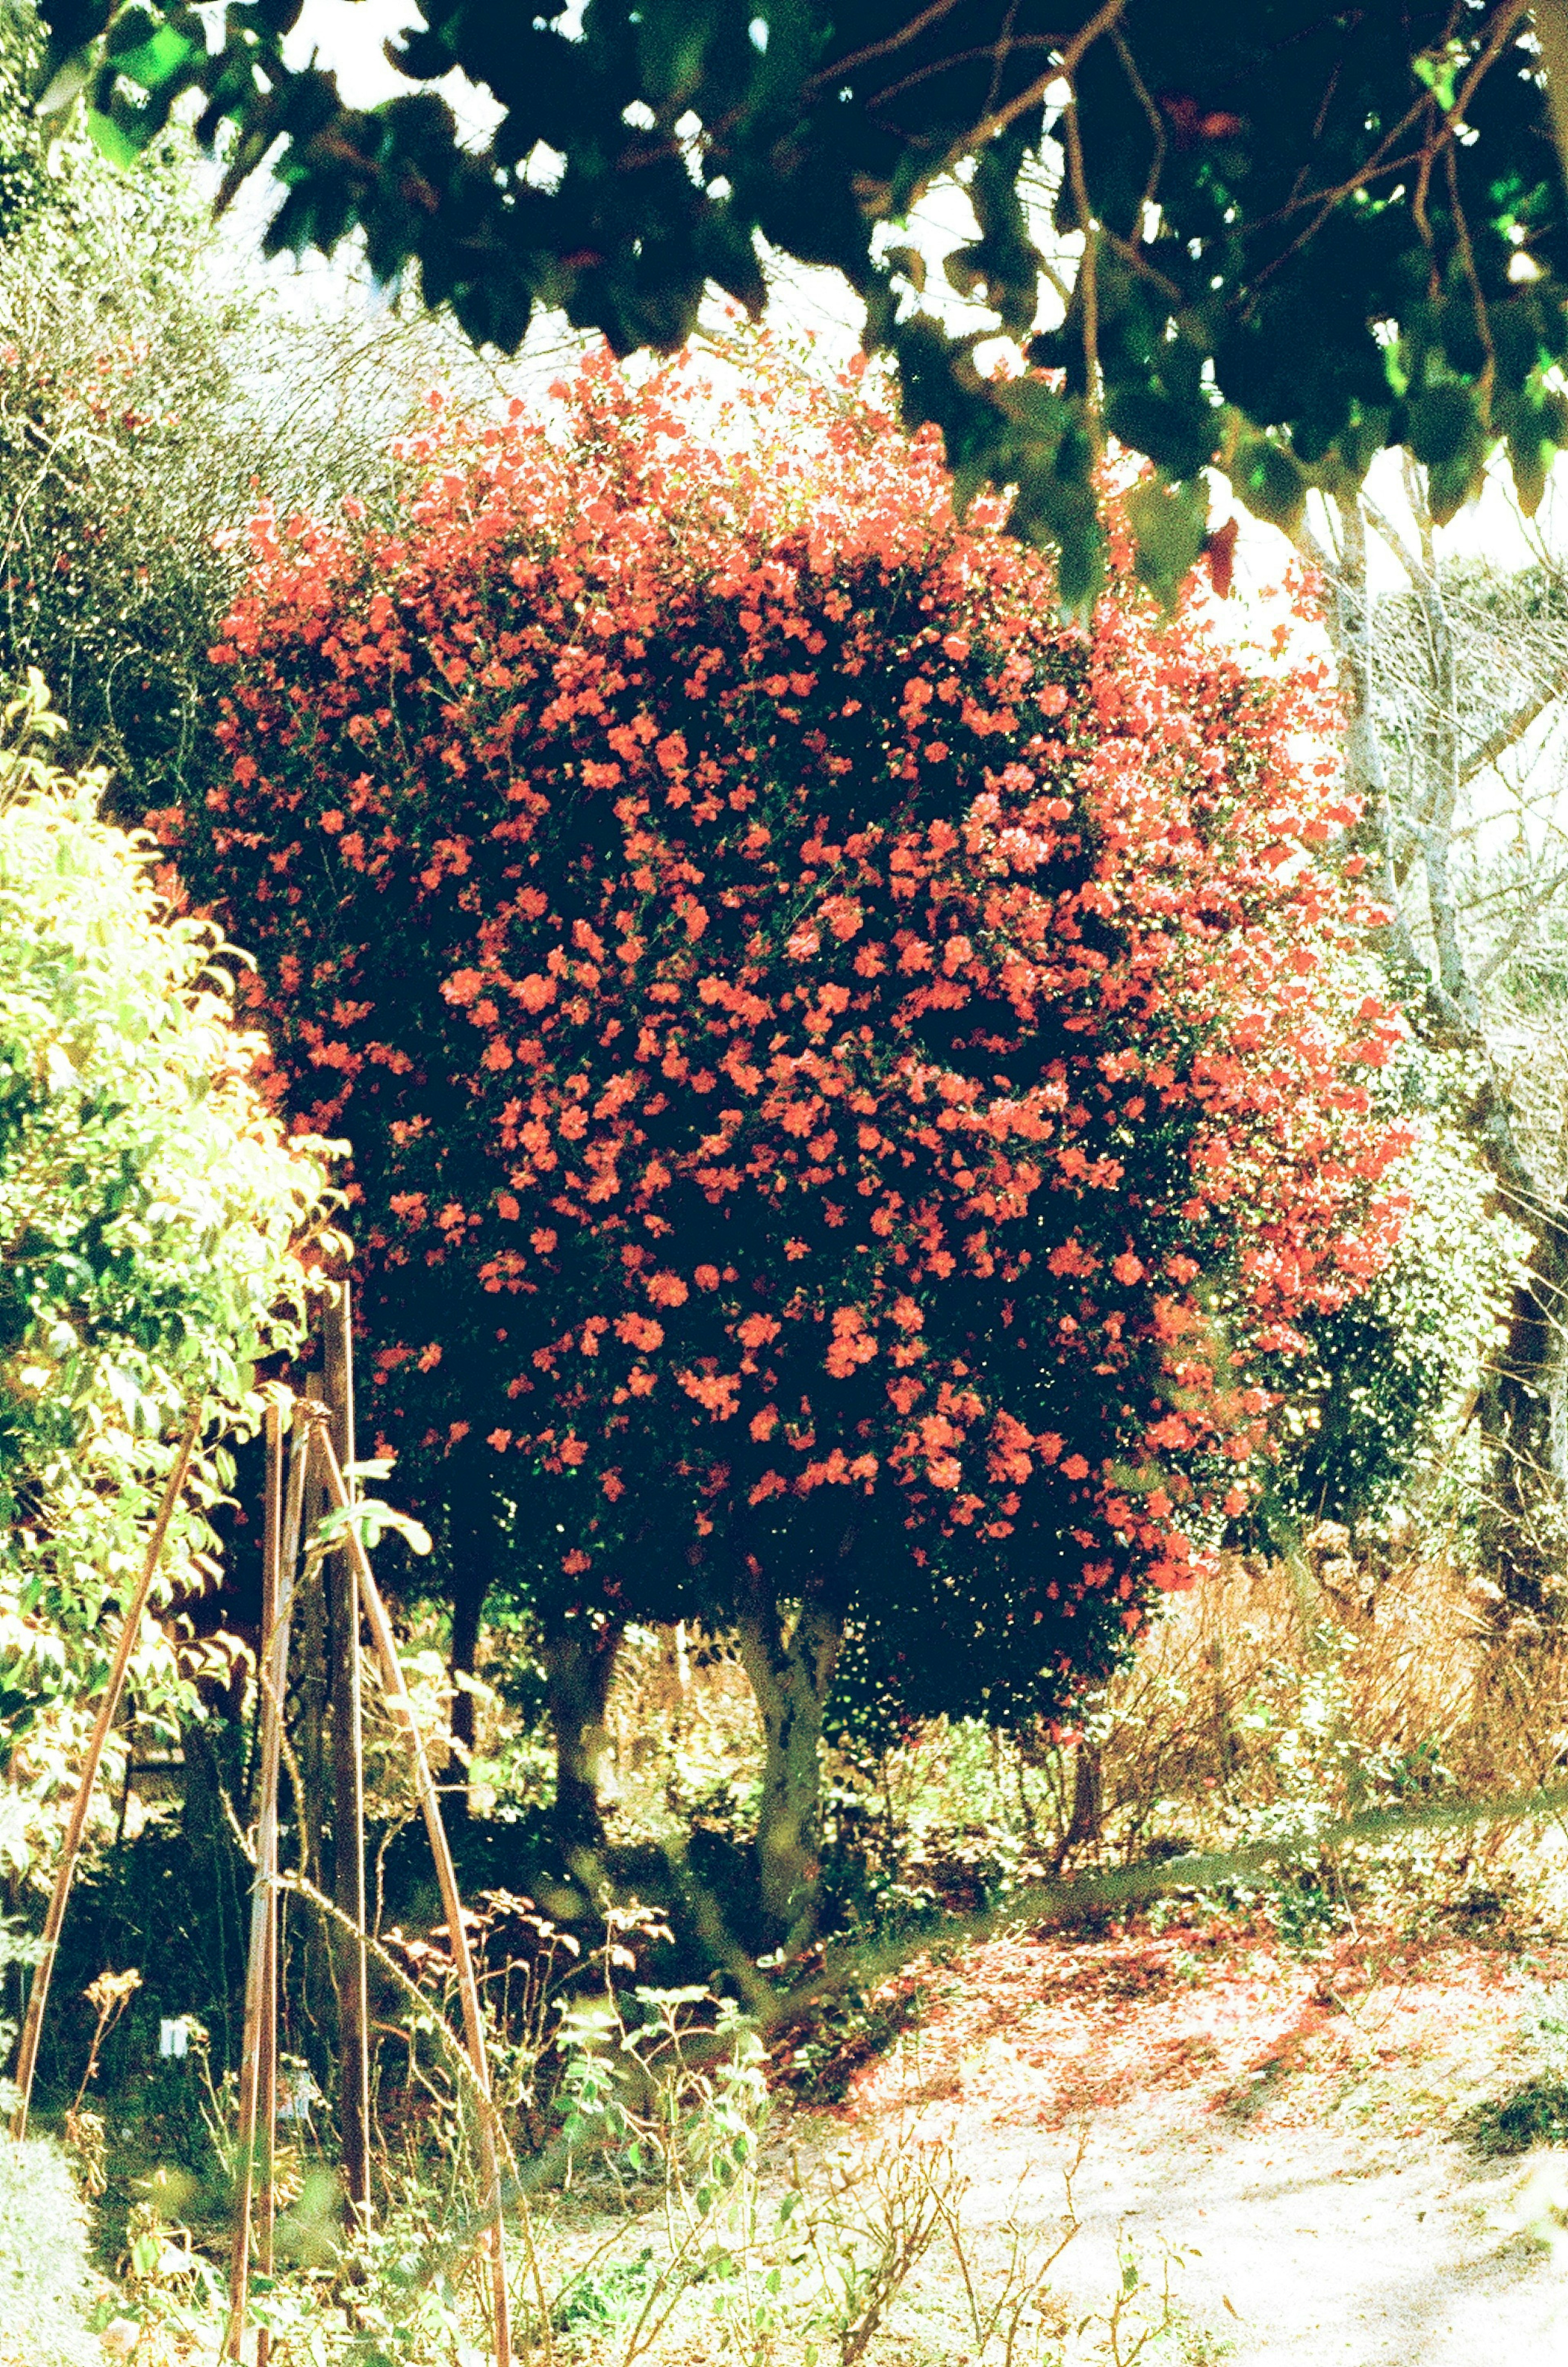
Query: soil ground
(1303, 2154)
(1294, 2144)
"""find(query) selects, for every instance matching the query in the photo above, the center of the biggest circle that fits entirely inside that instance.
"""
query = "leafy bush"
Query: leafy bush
(148, 380)
(847, 1074)
(1372, 1412)
(149, 1207)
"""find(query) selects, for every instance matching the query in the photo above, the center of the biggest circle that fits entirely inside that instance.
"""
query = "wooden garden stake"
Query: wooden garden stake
(348, 1790)
(259, 2066)
(397, 1694)
(107, 1709)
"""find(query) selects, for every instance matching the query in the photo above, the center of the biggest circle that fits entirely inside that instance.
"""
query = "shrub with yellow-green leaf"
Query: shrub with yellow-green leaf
(151, 1213)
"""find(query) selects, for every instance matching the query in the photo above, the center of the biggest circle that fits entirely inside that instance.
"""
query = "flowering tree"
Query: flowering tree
(846, 1077)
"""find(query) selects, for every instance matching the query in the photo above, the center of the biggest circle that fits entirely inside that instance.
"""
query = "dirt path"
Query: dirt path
(1327, 2248)
(1289, 2137)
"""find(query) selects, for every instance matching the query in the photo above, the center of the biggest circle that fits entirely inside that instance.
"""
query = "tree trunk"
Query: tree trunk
(579, 1666)
(1524, 1412)
(1082, 1835)
(472, 1534)
(789, 1664)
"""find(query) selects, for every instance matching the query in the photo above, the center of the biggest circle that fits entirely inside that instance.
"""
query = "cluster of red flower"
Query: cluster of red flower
(807, 1019)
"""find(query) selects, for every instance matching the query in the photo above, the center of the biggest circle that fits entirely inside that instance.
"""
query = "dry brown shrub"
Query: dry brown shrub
(1424, 1678)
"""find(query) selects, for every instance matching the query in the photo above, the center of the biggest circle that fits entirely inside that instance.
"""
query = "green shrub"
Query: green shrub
(1373, 1412)
(148, 1206)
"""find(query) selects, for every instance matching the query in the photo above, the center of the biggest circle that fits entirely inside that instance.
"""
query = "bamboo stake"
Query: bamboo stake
(348, 1794)
(258, 2065)
(266, 2112)
(286, 1567)
(258, 2122)
(108, 1708)
(397, 1694)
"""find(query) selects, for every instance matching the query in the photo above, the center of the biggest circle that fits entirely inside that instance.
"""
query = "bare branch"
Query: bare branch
(906, 33)
(1350, 622)
(1512, 731)
(1384, 525)
(1515, 937)
(1316, 551)
(1072, 57)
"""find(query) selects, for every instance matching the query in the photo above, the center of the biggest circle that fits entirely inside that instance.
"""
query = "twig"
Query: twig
(1509, 732)
(898, 40)
(1088, 289)
(1066, 66)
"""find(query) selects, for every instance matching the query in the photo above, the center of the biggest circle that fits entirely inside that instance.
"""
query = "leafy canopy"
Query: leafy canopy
(1257, 234)
(813, 1031)
(149, 1206)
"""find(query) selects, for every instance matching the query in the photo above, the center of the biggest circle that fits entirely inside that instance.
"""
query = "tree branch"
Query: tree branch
(906, 33)
(1539, 899)
(1384, 525)
(1551, 21)
(1512, 731)
(1350, 622)
(1072, 57)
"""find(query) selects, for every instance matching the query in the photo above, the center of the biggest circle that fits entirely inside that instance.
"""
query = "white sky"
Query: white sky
(350, 36)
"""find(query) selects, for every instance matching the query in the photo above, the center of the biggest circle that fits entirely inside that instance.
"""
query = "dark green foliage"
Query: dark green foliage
(25, 181)
(1311, 232)
(1376, 1409)
(1534, 2114)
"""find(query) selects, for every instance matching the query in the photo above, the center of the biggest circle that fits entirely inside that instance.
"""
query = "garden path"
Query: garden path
(1296, 2142)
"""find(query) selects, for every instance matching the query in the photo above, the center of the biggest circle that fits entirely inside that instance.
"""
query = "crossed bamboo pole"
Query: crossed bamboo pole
(308, 1430)
(258, 2061)
(313, 1442)
(348, 1954)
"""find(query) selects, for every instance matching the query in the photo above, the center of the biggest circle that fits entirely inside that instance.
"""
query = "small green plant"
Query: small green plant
(1535, 2111)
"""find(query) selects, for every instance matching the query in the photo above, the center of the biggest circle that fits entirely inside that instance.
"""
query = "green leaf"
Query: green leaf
(1169, 524)
(371, 1519)
(1053, 509)
(910, 264)
(1451, 440)
(113, 142)
(1442, 424)
(160, 62)
(672, 44)
(1270, 482)
(69, 78)
(1440, 73)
